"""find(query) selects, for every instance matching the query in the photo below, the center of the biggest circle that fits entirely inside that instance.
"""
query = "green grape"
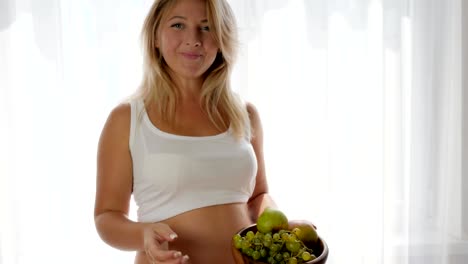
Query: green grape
(250, 235)
(256, 255)
(267, 243)
(245, 244)
(306, 256)
(276, 237)
(293, 247)
(275, 248)
(257, 241)
(244, 250)
(272, 253)
(238, 243)
(296, 231)
(292, 237)
(259, 235)
(279, 257)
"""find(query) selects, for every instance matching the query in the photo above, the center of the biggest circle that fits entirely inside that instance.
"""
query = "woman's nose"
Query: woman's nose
(193, 38)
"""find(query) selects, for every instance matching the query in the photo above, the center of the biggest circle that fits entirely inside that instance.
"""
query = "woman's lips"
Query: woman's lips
(191, 55)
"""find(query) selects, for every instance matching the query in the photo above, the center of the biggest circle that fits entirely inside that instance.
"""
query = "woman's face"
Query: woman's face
(185, 41)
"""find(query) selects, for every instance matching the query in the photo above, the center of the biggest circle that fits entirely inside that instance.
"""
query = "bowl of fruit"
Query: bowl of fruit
(273, 240)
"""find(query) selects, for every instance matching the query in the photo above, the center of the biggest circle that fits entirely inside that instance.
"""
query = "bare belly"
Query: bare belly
(205, 234)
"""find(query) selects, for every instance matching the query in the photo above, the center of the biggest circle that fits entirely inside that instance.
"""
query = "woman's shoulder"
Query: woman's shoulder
(115, 134)
(124, 109)
(118, 120)
(255, 121)
(253, 113)
(121, 111)
(251, 109)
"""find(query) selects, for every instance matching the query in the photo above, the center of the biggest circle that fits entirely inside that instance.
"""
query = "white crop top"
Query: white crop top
(173, 174)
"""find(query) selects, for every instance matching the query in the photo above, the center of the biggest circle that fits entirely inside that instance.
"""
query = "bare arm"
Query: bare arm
(260, 198)
(113, 193)
(114, 184)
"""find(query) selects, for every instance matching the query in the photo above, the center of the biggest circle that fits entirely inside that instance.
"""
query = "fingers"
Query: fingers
(185, 259)
(167, 256)
(164, 232)
(156, 245)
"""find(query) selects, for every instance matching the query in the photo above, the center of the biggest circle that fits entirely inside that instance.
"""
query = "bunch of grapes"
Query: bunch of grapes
(279, 247)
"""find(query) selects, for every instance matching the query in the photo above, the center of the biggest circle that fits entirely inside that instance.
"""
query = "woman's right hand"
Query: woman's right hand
(156, 237)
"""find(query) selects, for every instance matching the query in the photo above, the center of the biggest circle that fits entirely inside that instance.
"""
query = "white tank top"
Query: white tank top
(173, 174)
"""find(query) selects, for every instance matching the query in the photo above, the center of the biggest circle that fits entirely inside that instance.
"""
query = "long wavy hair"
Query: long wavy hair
(222, 106)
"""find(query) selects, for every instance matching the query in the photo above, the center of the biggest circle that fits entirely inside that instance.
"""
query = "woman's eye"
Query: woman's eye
(205, 28)
(177, 25)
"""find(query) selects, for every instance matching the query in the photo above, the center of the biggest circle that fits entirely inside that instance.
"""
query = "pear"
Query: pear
(305, 232)
(270, 220)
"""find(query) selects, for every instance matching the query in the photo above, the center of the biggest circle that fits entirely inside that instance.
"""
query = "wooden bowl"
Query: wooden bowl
(320, 250)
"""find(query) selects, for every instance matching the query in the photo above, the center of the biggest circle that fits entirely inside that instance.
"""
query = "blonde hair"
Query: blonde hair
(223, 107)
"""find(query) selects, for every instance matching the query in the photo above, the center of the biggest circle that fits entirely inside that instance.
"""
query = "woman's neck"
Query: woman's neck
(189, 90)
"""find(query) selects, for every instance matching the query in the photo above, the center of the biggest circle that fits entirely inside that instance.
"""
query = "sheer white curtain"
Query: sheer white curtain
(361, 101)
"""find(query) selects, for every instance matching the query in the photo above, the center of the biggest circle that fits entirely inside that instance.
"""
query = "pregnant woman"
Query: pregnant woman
(184, 145)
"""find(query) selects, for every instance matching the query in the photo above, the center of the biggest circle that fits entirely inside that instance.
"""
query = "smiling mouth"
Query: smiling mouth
(190, 56)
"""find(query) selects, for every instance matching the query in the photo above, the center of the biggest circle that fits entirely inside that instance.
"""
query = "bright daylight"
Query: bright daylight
(234, 131)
